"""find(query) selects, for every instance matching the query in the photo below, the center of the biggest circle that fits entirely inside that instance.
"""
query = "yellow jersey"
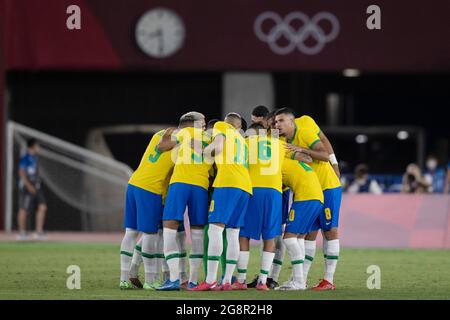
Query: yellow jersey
(153, 168)
(302, 180)
(190, 166)
(307, 122)
(266, 156)
(306, 136)
(232, 162)
(166, 186)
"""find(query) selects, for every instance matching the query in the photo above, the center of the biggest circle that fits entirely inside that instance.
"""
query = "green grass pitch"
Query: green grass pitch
(37, 270)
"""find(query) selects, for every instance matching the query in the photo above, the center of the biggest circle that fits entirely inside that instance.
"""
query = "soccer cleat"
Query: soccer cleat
(239, 286)
(184, 285)
(226, 287)
(124, 285)
(223, 287)
(291, 285)
(272, 284)
(153, 285)
(22, 237)
(262, 287)
(254, 282)
(204, 286)
(169, 286)
(136, 283)
(324, 285)
(191, 285)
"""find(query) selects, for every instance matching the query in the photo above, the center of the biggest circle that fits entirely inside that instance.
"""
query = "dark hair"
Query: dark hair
(271, 114)
(186, 120)
(31, 142)
(361, 169)
(260, 111)
(284, 111)
(256, 126)
(243, 124)
(211, 123)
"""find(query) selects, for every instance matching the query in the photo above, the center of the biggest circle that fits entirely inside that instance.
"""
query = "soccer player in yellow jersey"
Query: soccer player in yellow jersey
(232, 190)
(305, 210)
(305, 136)
(263, 217)
(188, 188)
(144, 207)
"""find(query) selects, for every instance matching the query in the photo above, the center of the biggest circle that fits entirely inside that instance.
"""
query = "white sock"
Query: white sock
(266, 262)
(310, 252)
(242, 266)
(162, 263)
(136, 261)
(181, 239)
(196, 256)
(232, 253)
(332, 259)
(126, 252)
(280, 250)
(215, 248)
(172, 253)
(297, 255)
(149, 250)
(324, 249)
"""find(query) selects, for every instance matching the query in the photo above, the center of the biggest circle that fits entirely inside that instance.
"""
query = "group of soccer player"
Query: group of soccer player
(277, 180)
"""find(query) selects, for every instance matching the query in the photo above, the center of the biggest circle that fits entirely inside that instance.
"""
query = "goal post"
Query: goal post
(91, 183)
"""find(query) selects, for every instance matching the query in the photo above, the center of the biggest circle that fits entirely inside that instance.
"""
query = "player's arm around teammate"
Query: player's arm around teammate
(188, 188)
(307, 137)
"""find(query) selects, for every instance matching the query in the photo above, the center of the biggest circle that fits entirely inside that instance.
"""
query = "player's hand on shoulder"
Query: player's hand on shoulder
(293, 148)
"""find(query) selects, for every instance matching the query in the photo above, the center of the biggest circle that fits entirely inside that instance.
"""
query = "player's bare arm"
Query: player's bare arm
(167, 143)
(28, 185)
(215, 147)
(302, 156)
(318, 152)
(330, 150)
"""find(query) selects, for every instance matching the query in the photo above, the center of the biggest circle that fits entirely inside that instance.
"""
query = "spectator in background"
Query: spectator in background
(447, 180)
(362, 182)
(30, 192)
(259, 115)
(434, 175)
(414, 181)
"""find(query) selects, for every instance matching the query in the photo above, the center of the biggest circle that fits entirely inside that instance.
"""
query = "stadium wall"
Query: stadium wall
(220, 35)
(394, 221)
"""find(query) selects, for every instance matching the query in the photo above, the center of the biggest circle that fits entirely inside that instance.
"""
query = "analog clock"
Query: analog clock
(160, 33)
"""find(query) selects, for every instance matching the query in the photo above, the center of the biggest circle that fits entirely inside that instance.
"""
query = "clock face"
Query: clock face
(160, 33)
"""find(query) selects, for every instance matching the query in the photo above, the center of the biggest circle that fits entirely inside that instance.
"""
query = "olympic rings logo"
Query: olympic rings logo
(296, 38)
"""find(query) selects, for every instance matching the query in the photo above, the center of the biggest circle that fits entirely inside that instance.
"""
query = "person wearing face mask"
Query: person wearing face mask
(434, 175)
(413, 181)
(447, 179)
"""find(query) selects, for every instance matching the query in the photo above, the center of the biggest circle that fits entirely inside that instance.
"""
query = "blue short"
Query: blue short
(285, 204)
(329, 217)
(228, 206)
(302, 216)
(143, 210)
(182, 195)
(263, 215)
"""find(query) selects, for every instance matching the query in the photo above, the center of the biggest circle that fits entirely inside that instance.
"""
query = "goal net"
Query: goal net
(84, 190)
